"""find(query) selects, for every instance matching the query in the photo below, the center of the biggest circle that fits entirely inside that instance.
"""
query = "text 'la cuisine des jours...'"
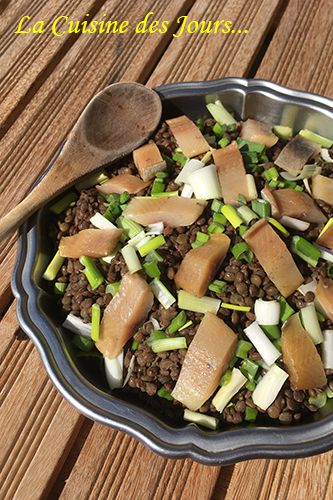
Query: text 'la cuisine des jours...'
(62, 25)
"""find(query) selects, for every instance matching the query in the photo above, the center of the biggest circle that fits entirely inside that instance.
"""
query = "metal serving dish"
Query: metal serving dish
(40, 319)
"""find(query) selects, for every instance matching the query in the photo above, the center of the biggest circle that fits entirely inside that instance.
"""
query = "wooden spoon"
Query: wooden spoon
(115, 122)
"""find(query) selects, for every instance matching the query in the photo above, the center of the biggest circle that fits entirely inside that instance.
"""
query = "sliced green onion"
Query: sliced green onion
(250, 385)
(177, 322)
(215, 228)
(220, 114)
(180, 158)
(319, 400)
(163, 393)
(166, 194)
(269, 387)
(249, 369)
(261, 207)
(327, 225)
(305, 250)
(307, 171)
(152, 269)
(233, 307)
(246, 214)
(95, 321)
(135, 345)
(218, 286)
(85, 344)
(153, 255)
(272, 331)
(311, 323)
(219, 130)
(124, 197)
(243, 348)
(319, 139)
(155, 335)
(98, 220)
(251, 147)
(129, 227)
(231, 215)
(226, 378)
(219, 219)
(59, 288)
(278, 226)
(59, 206)
(201, 305)
(53, 268)
(241, 199)
(201, 239)
(329, 270)
(161, 175)
(250, 157)
(201, 419)
(250, 414)
(242, 230)
(153, 244)
(171, 344)
(112, 212)
(271, 174)
(91, 272)
(217, 205)
(157, 187)
(285, 310)
(227, 392)
(242, 251)
(131, 259)
(189, 323)
(162, 294)
(113, 288)
(137, 239)
(224, 142)
(200, 123)
(283, 132)
(91, 180)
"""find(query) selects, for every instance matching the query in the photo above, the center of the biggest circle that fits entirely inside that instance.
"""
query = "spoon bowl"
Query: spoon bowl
(116, 121)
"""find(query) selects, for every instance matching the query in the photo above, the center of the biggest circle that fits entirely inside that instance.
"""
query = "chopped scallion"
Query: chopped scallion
(201, 305)
(135, 345)
(85, 344)
(153, 255)
(59, 206)
(151, 269)
(168, 344)
(231, 215)
(131, 259)
(243, 348)
(242, 251)
(162, 294)
(163, 393)
(215, 228)
(179, 158)
(151, 245)
(220, 114)
(250, 414)
(155, 335)
(234, 307)
(249, 368)
(261, 207)
(177, 322)
(91, 180)
(53, 268)
(271, 174)
(319, 400)
(59, 288)
(91, 272)
(217, 205)
(157, 187)
(224, 142)
(189, 323)
(226, 378)
(113, 288)
(242, 230)
(272, 331)
(95, 321)
(285, 310)
(220, 219)
(278, 226)
(319, 139)
(305, 250)
(201, 419)
(218, 286)
(219, 130)
(129, 227)
(246, 214)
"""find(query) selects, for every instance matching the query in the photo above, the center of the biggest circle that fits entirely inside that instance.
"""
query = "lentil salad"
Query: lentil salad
(239, 281)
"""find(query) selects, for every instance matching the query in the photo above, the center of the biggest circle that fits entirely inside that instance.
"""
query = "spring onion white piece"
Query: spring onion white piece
(54, 266)
(298, 225)
(227, 391)
(251, 187)
(325, 254)
(137, 239)
(129, 370)
(246, 214)
(267, 312)
(327, 349)
(269, 387)
(261, 342)
(201, 419)
(308, 287)
(132, 260)
(109, 258)
(75, 325)
(168, 344)
(98, 220)
(206, 157)
(162, 294)
(203, 305)
(188, 169)
(307, 171)
(325, 155)
(311, 323)
(220, 114)
(143, 241)
(156, 228)
(114, 370)
(205, 183)
(307, 186)
(187, 191)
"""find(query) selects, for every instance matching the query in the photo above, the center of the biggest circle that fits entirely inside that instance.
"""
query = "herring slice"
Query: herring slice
(95, 243)
(274, 257)
(322, 188)
(172, 211)
(127, 310)
(296, 154)
(188, 136)
(148, 160)
(207, 358)
(124, 182)
(199, 265)
(259, 132)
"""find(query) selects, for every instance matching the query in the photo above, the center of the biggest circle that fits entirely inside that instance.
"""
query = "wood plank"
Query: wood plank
(297, 57)
(32, 141)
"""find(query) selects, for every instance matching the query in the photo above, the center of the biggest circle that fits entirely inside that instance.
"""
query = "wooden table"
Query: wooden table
(47, 449)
